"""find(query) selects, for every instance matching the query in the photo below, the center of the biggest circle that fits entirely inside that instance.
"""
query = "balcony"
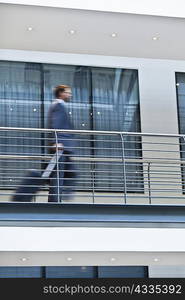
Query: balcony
(126, 203)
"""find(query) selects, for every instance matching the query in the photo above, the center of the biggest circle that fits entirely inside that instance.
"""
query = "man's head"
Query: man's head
(63, 92)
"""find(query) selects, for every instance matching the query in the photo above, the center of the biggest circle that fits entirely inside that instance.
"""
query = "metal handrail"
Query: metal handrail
(103, 159)
(101, 167)
(106, 132)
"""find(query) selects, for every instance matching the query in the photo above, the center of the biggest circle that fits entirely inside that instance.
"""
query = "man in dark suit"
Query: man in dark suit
(61, 186)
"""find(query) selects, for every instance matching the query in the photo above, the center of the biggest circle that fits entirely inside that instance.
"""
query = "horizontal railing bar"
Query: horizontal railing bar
(95, 140)
(98, 148)
(120, 184)
(91, 132)
(94, 148)
(97, 168)
(108, 196)
(71, 139)
(89, 182)
(81, 172)
(108, 180)
(118, 172)
(165, 180)
(139, 160)
(107, 189)
(133, 158)
(81, 195)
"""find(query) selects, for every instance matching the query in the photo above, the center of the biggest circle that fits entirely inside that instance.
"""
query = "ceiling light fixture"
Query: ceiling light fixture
(69, 259)
(114, 35)
(156, 259)
(30, 28)
(72, 31)
(155, 38)
(112, 259)
(24, 259)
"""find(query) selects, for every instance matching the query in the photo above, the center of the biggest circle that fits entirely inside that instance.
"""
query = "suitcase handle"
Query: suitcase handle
(51, 165)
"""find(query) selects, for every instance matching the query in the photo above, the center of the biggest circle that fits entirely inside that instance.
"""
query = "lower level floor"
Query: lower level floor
(75, 272)
(93, 272)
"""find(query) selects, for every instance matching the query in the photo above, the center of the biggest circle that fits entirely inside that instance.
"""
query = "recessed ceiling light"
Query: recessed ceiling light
(112, 259)
(24, 259)
(156, 259)
(72, 31)
(30, 28)
(177, 84)
(155, 38)
(69, 258)
(114, 35)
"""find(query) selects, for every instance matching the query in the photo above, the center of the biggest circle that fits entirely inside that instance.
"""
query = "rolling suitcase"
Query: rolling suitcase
(34, 180)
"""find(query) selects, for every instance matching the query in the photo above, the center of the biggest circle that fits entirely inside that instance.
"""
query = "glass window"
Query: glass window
(123, 272)
(20, 272)
(78, 108)
(103, 99)
(180, 88)
(70, 272)
(75, 272)
(20, 106)
(115, 100)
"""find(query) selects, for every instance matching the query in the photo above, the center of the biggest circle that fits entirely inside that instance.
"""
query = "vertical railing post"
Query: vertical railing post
(149, 184)
(124, 169)
(93, 185)
(181, 150)
(57, 168)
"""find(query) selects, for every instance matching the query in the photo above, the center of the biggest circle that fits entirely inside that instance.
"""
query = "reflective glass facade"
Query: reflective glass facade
(103, 99)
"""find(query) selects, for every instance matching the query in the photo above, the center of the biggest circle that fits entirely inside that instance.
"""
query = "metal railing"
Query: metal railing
(94, 167)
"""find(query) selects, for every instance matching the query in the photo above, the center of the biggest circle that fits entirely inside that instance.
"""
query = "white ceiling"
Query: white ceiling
(88, 246)
(168, 8)
(93, 29)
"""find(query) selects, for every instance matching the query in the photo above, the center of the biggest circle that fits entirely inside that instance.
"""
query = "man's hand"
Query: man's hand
(58, 146)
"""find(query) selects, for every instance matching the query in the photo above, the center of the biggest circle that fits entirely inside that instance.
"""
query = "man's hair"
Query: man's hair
(59, 89)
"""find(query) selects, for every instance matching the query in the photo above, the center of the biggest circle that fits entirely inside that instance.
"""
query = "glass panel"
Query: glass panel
(103, 99)
(20, 102)
(77, 78)
(180, 85)
(70, 272)
(20, 272)
(75, 272)
(123, 272)
(116, 107)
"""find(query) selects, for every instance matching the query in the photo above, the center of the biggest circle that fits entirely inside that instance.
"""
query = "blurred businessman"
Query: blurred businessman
(61, 187)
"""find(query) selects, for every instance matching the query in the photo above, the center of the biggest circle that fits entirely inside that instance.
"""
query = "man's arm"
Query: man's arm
(55, 116)
(55, 121)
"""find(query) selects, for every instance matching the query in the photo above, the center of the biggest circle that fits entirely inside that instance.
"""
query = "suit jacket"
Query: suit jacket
(58, 118)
